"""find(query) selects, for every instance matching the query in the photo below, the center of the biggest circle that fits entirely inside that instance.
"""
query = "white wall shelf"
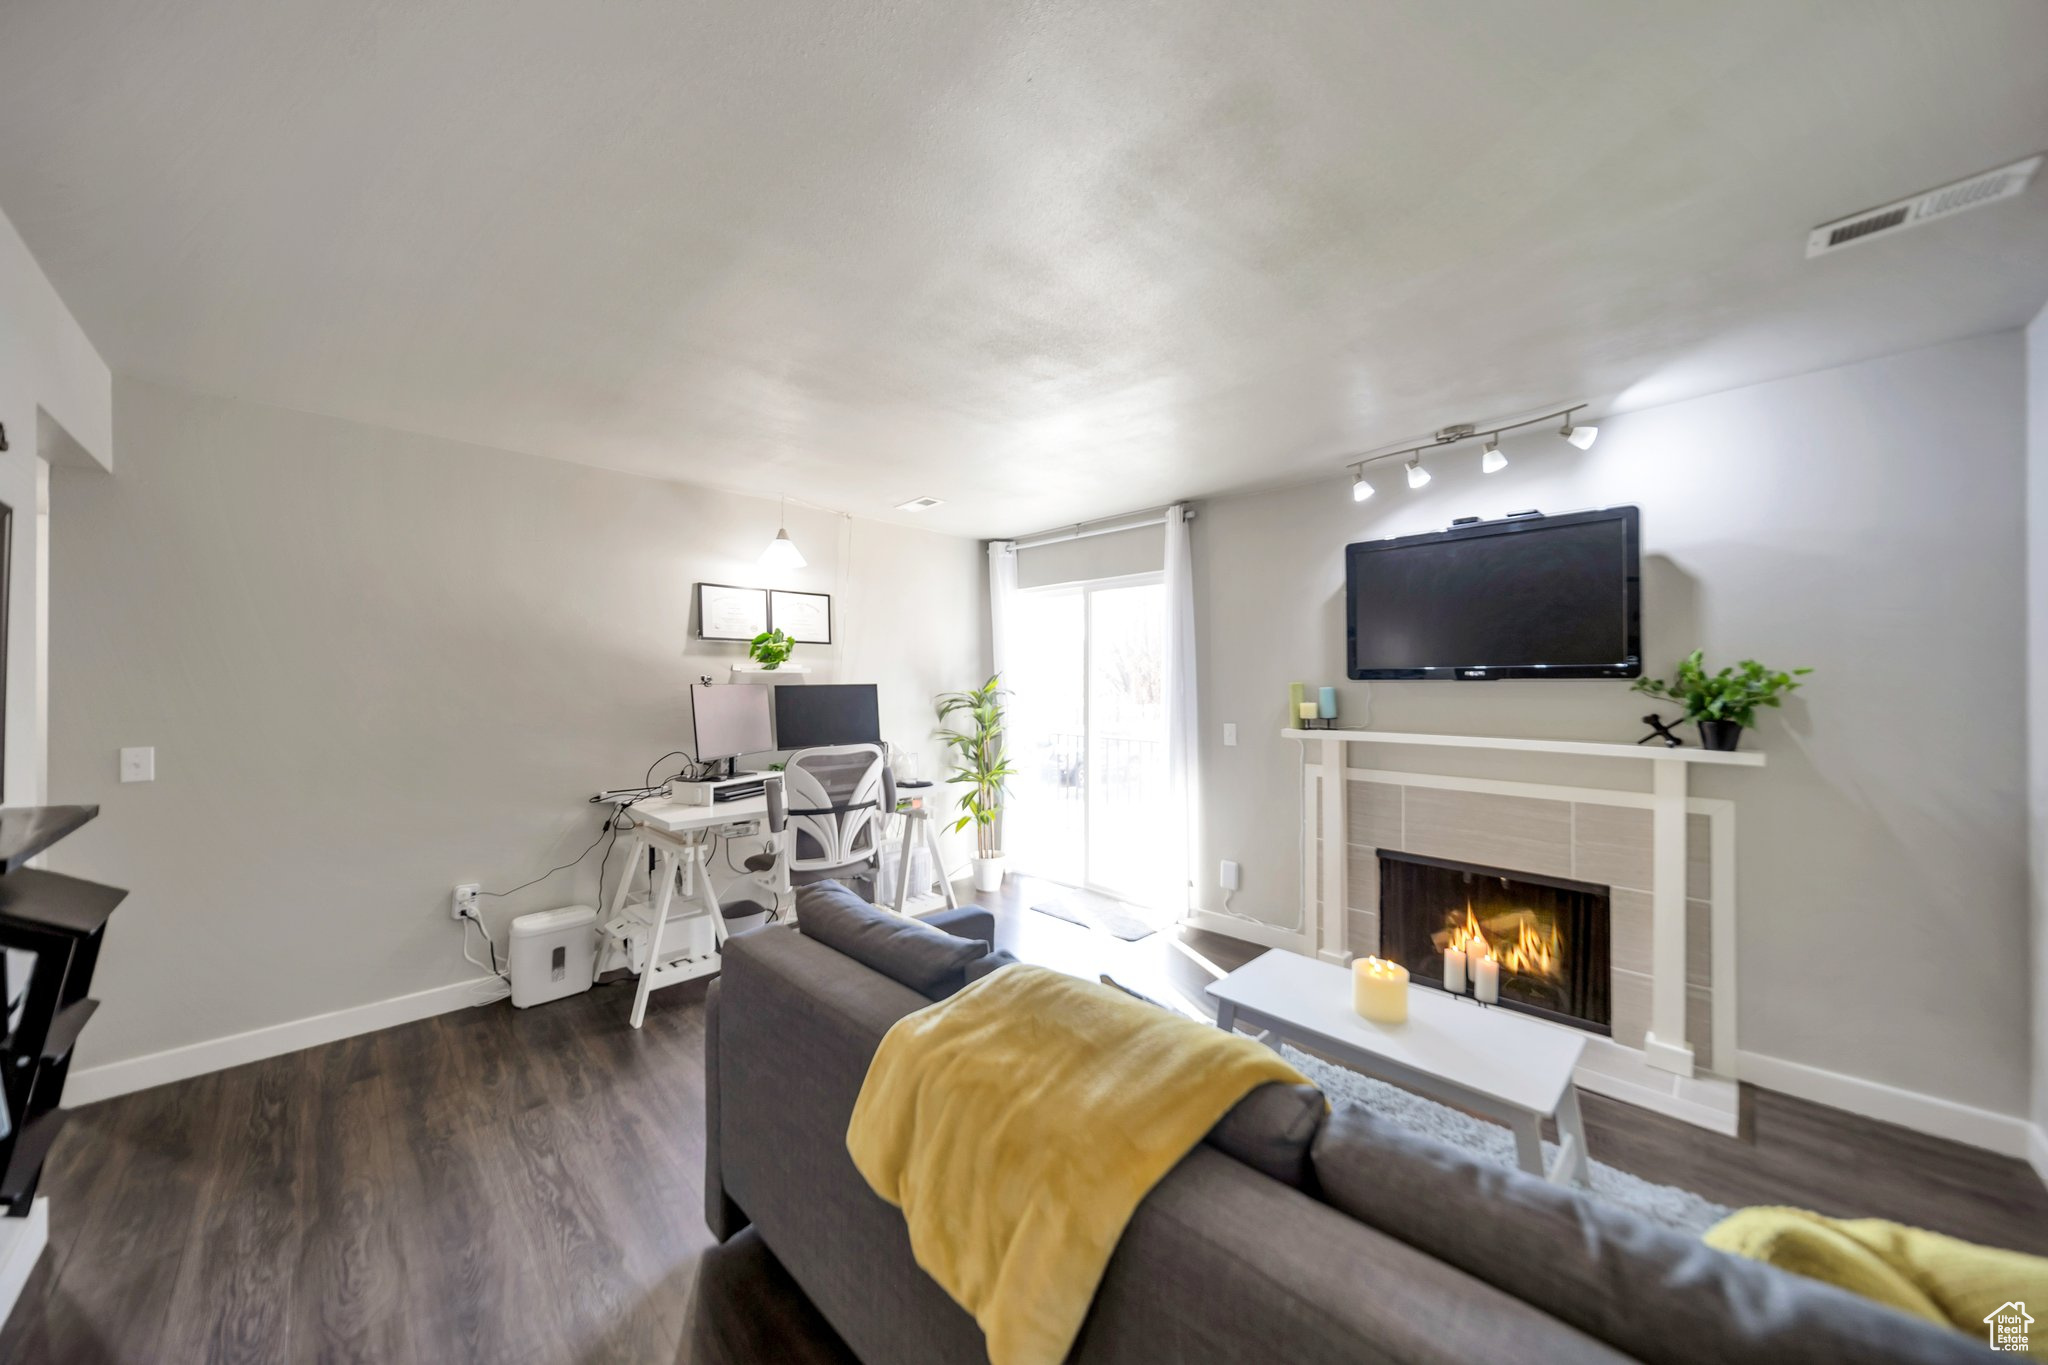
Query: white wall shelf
(1583, 748)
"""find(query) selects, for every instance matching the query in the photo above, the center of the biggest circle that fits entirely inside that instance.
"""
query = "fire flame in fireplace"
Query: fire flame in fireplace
(1526, 949)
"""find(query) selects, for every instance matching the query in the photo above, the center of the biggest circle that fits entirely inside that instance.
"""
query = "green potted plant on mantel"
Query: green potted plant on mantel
(981, 766)
(771, 649)
(1723, 704)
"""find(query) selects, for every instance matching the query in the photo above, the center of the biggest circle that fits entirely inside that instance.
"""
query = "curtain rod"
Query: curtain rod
(1102, 526)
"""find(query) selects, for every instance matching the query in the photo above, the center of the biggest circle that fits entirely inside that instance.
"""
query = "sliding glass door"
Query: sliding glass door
(1088, 735)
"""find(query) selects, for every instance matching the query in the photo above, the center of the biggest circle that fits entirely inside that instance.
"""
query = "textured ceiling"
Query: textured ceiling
(1044, 261)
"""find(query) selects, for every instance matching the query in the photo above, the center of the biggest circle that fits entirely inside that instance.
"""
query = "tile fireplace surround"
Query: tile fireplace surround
(1673, 1011)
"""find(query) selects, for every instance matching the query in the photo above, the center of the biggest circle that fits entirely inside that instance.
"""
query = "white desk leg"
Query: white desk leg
(910, 822)
(636, 848)
(931, 842)
(707, 895)
(664, 895)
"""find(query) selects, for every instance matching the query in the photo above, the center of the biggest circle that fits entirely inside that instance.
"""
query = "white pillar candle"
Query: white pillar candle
(1486, 979)
(1379, 990)
(1454, 971)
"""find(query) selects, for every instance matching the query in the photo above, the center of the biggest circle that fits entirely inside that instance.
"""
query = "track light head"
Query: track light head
(1491, 461)
(1360, 489)
(1417, 475)
(1582, 437)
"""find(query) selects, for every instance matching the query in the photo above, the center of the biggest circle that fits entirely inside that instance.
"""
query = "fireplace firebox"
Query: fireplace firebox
(1549, 934)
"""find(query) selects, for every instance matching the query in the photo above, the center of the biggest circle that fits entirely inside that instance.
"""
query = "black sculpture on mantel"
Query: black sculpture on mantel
(1660, 728)
(50, 932)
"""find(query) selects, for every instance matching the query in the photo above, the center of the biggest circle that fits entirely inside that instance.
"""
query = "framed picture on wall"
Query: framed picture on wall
(6, 596)
(725, 612)
(805, 617)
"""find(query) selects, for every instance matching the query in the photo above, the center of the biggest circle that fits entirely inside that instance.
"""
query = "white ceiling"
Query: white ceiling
(1042, 260)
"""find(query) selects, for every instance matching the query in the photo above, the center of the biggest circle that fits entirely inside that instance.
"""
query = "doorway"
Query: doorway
(1088, 737)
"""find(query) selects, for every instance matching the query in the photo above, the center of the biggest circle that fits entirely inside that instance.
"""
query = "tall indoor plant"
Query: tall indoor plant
(982, 766)
(1723, 704)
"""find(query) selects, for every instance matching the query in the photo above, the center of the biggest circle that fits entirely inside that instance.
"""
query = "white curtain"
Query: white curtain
(1183, 776)
(1002, 595)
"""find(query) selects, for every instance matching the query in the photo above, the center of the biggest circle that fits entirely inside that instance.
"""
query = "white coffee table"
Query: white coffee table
(1487, 1060)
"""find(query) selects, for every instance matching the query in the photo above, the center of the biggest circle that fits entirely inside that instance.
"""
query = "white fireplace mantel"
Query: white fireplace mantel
(1665, 1044)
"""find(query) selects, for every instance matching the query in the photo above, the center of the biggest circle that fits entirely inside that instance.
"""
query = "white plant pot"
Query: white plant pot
(988, 873)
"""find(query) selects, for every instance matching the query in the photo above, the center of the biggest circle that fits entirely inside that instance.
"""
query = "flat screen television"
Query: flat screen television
(1524, 597)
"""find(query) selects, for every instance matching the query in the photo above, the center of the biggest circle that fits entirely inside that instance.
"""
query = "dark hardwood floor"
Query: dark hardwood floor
(523, 1187)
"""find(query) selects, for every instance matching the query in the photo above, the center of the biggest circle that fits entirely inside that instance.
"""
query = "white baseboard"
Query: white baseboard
(218, 1054)
(1247, 930)
(21, 1243)
(2006, 1134)
(2037, 1150)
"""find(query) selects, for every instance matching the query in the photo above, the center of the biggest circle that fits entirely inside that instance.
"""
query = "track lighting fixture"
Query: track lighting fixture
(1491, 459)
(782, 552)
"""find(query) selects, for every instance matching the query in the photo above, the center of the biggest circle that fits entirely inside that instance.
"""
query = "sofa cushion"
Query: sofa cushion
(1657, 1295)
(1272, 1131)
(929, 961)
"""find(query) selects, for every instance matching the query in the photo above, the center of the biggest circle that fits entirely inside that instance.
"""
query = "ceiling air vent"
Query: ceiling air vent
(1977, 191)
(919, 504)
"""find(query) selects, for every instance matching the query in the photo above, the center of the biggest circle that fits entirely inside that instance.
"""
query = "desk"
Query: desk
(677, 832)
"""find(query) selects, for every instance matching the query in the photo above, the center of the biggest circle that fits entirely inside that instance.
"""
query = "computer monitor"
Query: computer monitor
(813, 715)
(730, 719)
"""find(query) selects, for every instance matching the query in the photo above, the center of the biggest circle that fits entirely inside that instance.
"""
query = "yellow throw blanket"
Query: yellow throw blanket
(1017, 1125)
(1941, 1279)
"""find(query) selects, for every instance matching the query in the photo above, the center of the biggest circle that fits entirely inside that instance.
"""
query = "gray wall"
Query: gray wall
(2037, 695)
(1866, 521)
(375, 665)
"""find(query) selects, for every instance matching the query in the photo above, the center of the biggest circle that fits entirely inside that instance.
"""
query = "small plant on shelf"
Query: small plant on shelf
(982, 766)
(1723, 704)
(771, 649)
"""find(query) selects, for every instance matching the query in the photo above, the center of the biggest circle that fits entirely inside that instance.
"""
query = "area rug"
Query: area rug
(1681, 1210)
(1126, 924)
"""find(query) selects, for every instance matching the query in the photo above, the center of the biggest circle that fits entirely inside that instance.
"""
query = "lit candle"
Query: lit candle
(1485, 977)
(1454, 970)
(1379, 990)
(1308, 710)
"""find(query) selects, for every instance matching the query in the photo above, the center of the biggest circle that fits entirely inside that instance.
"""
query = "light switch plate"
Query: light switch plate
(1229, 734)
(138, 765)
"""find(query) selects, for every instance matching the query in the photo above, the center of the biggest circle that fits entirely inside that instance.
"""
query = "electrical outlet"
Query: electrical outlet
(463, 902)
(138, 765)
(1229, 734)
(1229, 876)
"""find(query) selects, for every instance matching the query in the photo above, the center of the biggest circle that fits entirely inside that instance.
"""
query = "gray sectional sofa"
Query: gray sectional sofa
(1283, 1236)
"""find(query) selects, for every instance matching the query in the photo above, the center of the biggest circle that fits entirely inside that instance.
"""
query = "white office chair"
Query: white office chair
(836, 797)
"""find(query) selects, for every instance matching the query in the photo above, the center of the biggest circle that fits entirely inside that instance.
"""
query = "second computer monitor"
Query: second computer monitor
(812, 716)
(730, 719)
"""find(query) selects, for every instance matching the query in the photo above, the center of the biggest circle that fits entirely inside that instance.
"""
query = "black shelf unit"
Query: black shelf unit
(59, 922)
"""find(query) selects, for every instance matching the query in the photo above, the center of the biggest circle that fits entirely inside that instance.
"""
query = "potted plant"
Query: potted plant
(983, 768)
(1723, 704)
(771, 649)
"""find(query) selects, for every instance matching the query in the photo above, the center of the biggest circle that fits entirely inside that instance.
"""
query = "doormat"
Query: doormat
(1119, 920)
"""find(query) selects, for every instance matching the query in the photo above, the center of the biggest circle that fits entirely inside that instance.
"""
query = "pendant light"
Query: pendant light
(782, 552)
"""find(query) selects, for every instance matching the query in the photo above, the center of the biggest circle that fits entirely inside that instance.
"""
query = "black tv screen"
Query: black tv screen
(817, 715)
(1525, 597)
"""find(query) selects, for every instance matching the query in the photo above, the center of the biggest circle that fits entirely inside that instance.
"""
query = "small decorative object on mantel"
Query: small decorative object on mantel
(1379, 990)
(1660, 728)
(1723, 704)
